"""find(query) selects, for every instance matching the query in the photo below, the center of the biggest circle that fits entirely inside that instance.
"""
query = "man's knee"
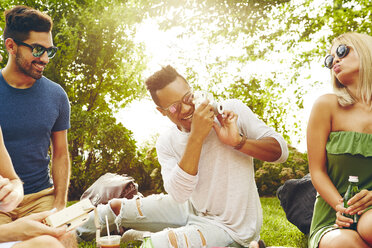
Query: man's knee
(115, 205)
(128, 209)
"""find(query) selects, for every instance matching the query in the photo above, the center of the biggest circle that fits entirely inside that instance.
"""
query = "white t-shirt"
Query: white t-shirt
(224, 190)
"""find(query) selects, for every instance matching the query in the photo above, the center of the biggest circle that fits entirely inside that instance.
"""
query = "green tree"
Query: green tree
(263, 100)
(100, 67)
(101, 71)
(223, 25)
(300, 31)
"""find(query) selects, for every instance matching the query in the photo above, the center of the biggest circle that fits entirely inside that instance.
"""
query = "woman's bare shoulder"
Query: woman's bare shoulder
(326, 100)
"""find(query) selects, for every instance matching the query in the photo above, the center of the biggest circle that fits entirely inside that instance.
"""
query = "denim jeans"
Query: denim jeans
(165, 218)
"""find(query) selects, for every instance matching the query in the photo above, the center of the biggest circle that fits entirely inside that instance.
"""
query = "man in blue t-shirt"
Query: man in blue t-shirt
(16, 233)
(34, 113)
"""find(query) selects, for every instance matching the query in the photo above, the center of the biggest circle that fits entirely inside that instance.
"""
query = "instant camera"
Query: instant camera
(201, 96)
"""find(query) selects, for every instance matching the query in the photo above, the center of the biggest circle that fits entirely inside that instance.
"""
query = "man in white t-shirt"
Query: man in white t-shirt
(207, 169)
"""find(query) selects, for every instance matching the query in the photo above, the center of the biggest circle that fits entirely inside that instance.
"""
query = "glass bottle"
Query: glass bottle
(147, 243)
(352, 190)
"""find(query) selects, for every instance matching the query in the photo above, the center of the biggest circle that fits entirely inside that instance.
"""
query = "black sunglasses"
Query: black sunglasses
(39, 50)
(341, 52)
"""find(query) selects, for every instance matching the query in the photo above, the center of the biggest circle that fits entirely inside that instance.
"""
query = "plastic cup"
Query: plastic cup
(112, 241)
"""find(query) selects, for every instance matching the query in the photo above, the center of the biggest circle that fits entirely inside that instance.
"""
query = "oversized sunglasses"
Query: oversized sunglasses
(38, 50)
(176, 106)
(341, 52)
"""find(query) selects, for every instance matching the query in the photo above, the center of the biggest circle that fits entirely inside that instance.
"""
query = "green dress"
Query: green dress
(348, 154)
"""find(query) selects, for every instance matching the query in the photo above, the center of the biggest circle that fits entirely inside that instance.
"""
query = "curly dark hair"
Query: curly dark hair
(20, 20)
(160, 79)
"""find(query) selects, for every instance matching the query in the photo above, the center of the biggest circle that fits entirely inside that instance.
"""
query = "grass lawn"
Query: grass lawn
(276, 230)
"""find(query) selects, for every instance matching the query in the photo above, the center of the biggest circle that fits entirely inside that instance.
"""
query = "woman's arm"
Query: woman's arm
(318, 130)
(11, 188)
(29, 227)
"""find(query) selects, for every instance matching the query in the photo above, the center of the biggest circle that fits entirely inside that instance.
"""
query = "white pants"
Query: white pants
(161, 215)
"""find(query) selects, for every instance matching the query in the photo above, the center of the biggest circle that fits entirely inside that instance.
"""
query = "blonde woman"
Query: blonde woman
(339, 141)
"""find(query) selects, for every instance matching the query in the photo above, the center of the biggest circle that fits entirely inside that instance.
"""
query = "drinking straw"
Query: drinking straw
(107, 225)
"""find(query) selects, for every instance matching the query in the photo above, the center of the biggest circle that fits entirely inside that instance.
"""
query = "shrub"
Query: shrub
(270, 176)
(150, 182)
(98, 145)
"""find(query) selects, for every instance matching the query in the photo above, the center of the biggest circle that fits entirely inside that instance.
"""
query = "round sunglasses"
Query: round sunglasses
(341, 52)
(38, 50)
(176, 106)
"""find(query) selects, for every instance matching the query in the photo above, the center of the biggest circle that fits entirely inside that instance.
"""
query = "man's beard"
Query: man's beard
(26, 68)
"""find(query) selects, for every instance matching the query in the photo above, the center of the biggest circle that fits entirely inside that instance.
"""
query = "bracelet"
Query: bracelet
(242, 142)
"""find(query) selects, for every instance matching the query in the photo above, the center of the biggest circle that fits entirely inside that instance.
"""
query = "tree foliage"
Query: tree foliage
(101, 70)
(225, 25)
(230, 16)
(298, 32)
(100, 67)
(259, 98)
(99, 64)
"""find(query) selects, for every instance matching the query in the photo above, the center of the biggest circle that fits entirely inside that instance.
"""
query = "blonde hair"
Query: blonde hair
(362, 45)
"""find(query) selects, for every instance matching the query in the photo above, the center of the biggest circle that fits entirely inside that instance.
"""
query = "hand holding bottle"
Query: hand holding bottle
(344, 216)
(359, 202)
(341, 220)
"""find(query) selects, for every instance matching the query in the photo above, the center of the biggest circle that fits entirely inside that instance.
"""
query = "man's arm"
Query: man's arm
(11, 187)
(181, 175)
(60, 168)
(202, 123)
(266, 149)
(260, 141)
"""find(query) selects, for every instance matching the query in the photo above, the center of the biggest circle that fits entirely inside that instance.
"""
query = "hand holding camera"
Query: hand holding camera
(201, 96)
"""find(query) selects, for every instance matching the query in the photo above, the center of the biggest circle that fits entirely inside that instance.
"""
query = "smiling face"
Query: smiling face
(346, 69)
(174, 92)
(28, 64)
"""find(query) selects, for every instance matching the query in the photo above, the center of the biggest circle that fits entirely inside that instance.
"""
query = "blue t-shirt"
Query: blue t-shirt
(28, 117)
